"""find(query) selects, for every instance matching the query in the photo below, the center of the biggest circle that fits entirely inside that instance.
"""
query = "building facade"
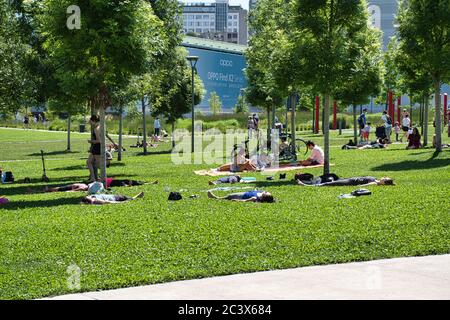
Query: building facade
(216, 21)
(382, 14)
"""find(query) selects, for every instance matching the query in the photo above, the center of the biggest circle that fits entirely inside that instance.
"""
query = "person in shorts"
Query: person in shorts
(406, 125)
(101, 199)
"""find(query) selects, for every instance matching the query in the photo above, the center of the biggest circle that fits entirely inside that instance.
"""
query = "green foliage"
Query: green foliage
(241, 106)
(215, 104)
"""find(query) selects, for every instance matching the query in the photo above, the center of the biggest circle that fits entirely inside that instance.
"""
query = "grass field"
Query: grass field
(153, 240)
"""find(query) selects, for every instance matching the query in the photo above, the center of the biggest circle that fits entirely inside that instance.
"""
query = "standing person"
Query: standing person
(94, 159)
(387, 125)
(396, 130)
(250, 126)
(406, 124)
(317, 155)
(157, 126)
(256, 121)
(366, 132)
(362, 121)
(26, 122)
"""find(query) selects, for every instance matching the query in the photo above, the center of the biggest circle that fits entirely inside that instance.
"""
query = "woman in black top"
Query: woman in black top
(94, 159)
(358, 181)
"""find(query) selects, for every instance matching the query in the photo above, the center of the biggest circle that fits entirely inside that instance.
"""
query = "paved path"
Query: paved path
(404, 278)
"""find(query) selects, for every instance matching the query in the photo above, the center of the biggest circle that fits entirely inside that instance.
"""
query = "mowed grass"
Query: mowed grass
(152, 240)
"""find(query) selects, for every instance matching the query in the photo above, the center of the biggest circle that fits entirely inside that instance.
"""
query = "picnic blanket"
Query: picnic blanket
(215, 173)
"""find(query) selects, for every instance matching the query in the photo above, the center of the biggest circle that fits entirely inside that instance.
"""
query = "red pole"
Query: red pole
(317, 114)
(399, 104)
(335, 115)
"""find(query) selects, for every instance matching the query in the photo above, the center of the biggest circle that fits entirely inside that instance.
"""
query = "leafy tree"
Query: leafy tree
(215, 104)
(116, 41)
(327, 30)
(173, 93)
(241, 106)
(424, 34)
(13, 74)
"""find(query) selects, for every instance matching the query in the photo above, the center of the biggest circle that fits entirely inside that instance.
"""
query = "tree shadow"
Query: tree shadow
(83, 167)
(268, 183)
(21, 188)
(15, 205)
(408, 165)
(149, 153)
(53, 153)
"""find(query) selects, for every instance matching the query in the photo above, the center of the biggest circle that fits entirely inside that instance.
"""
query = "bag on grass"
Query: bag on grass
(304, 177)
(361, 192)
(175, 196)
(7, 177)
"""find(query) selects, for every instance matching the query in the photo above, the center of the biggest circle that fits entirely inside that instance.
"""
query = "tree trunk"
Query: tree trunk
(173, 135)
(144, 128)
(119, 156)
(437, 117)
(268, 124)
(69, 122)
(425, 122)
(326, 133)
(421, 115)
(103, 145)
(293, 103)
(355, 124)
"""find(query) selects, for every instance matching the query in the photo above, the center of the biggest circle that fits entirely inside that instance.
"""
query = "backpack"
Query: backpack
(304, 177)
(388, 120)
(175, 196)
(7, 177)
(360, 121)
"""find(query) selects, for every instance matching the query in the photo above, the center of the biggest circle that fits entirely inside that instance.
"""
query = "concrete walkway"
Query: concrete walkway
(404, 278)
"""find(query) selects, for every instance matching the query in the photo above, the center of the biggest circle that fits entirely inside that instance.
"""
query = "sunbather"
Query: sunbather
(230, 179)
(75, 187)
(358, 181)
(250, 196)
(111, 182)
(109, 198)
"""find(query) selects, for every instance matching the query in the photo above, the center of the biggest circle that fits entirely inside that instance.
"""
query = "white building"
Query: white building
(218, 21)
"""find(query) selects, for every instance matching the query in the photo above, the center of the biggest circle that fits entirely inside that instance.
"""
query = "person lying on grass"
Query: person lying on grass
(79, 187)
(250, 196)
(358, 181)
(230, 179)
(100, 199)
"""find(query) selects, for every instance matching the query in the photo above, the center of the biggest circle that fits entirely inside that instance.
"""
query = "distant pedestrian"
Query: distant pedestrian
(406, 124)
(250, 126)
(387, 125)
(157, 126)
(26, 122)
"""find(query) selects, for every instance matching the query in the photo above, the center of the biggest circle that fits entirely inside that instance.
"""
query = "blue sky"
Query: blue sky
(243, 3)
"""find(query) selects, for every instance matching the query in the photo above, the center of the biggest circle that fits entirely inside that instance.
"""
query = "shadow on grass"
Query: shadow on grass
(19, 188)
(431, 163)
(83, 167)
(267, 183)
(15, 205)
(149, 153)
(53, 153)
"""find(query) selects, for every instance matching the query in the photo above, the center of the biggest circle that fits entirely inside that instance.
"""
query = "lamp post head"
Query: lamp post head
(193, 60)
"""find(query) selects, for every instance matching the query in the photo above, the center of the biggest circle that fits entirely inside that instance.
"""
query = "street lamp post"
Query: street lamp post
(193, 61)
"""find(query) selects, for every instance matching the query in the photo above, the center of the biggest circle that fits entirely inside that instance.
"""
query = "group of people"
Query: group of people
(410, 133)
(253, 125)
(39, 117)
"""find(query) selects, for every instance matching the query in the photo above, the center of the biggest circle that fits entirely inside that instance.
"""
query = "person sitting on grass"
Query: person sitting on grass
(230, 179)
(100, 199)
(352, 182)
(317, 156)
(414, 140)
(250, 196)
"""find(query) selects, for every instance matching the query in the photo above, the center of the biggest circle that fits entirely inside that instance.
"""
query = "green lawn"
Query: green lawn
(153, 240)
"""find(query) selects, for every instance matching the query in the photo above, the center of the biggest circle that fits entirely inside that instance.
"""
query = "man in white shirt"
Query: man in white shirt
(317, 155)
(406, 125)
